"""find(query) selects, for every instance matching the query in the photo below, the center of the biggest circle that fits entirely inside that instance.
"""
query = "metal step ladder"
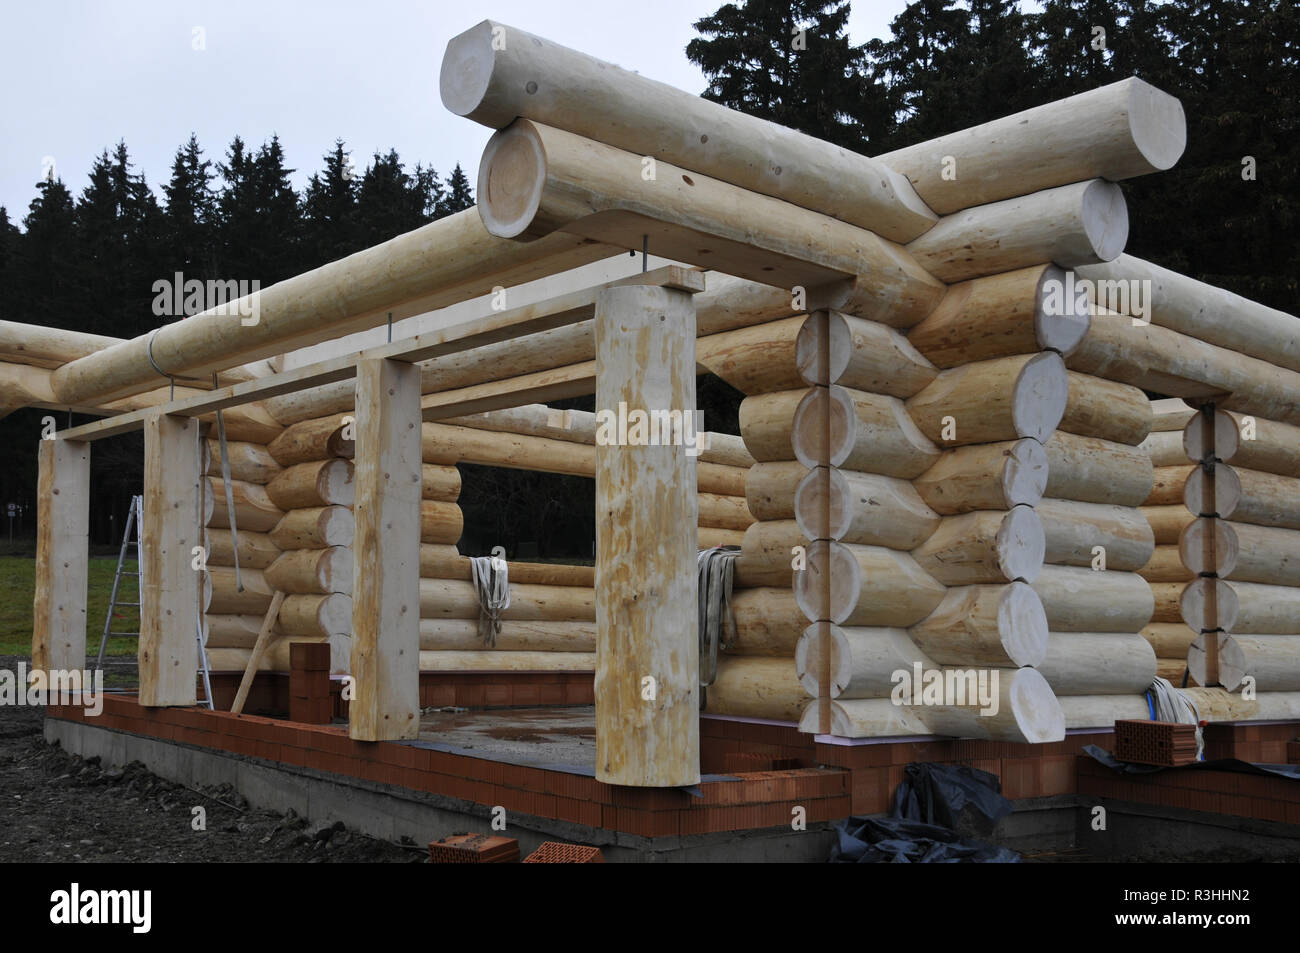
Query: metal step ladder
(131, 537)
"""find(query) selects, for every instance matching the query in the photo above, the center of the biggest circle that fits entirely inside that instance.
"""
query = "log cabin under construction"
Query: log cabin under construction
(948, 462)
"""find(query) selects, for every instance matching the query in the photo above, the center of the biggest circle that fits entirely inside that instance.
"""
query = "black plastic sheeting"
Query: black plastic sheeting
(1223, 764)
(932, 803)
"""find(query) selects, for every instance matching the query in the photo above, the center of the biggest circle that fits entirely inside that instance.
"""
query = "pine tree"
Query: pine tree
(792, 63)
(49, 286)
(192, 212)
(329, 210)
(389, 201)
(458, 196)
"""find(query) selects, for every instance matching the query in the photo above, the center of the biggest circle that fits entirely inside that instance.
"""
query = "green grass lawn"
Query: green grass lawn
(17, 584)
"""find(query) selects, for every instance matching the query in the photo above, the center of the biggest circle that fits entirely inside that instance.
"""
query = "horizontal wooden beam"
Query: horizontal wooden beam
(465, 336)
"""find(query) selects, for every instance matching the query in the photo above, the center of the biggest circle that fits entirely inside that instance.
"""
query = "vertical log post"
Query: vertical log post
(386, 549)
(62, 536)
(169, 582)
(647, 644)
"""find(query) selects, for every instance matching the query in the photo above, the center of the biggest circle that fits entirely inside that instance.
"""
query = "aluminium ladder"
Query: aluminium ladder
(134, 520)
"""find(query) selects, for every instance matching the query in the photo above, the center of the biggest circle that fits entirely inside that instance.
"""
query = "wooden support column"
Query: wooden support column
(386, 547)
(62, 530)
(647, 647)
(169, 583)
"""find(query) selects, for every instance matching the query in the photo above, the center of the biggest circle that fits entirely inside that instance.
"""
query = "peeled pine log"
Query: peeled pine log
(1169, 639)
(454, 599)
(1247, 608)
(250, 462)
(579, 426)
(277, 658)
(256, 550)
(1122, 349)
(535, 179)
(1168, 596)
(1172, 670)
(1215, 704)
(987, 476)
(986, 546)
(1204, 670)
(1102, 711)
(1241, 552)
(864, 718)
(318, 439)
(1251, 443)
(232, 631)
(440, 561)
(1106, 409)
(451, 260)
(316, 615)
(769, 488)
(1017, 312)
(38, 346)
(709, 537)
(768, 622)
(228, 600)
(1167, 521)
(1273, 661)
(318, 483)
(1077, 224)
(1170, 413)
(1098, 663)
(304, 572)
(868, 432)
(1027, 710)
(254, 510)
(1244, 496)
(492, 73)
(862, 660)
(727, 303)
(1001, 399)
(724, 512)
(755, 360)
(440, 483)
(1214, 315)
(493, 661)
(445, 445)
(1074, 530)
(1165, 565)
(316, 527)
(869, 585)
(1165, 448)
(1168, 486)
(1114, 132)
(756, 688)
(440, 522)
(864, 508)
(1000, 626)
(863, 355)
(767, 422)
(1081, 600)
(1208, 603)
(1093, 470)
(767, 557)
(462, 635)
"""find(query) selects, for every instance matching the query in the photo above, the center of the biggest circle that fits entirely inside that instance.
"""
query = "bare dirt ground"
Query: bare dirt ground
(56, 807)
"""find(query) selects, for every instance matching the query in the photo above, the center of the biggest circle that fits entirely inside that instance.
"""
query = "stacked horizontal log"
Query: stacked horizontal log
(943, 582)
(550, 624)
(1167, 516)
(1243, 544)
(293, 519)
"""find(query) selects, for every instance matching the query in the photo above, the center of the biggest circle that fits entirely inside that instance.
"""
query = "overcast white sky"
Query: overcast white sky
(77, 77)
